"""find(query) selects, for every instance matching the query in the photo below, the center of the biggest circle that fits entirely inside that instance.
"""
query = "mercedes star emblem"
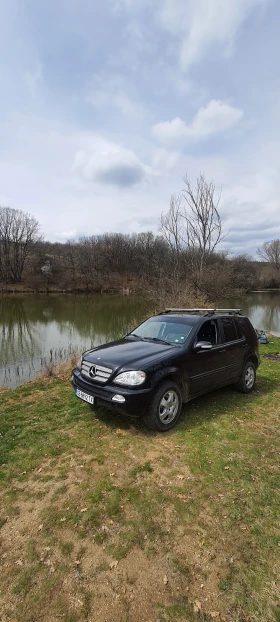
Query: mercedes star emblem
(92, 371)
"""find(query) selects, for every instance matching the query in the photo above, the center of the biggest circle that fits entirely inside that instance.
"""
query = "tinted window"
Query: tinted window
(247, 328)
(229, 329)
(243, 322)
(238, 329)
(209, 332)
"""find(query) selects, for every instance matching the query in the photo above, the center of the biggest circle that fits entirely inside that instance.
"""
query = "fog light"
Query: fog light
(118, 398)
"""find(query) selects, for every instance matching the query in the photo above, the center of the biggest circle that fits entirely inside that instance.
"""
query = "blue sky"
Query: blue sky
(106, 106)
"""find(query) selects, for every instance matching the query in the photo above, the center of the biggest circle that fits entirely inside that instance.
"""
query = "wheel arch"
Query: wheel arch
(173, 374)
(253, 358)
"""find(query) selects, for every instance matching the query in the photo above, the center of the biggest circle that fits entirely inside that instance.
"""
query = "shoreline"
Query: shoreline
(123, 291)
(263, 291)
(51, 372)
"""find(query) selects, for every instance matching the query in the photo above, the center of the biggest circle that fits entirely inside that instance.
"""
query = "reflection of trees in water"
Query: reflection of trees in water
(16, 332)
(91, 316)
(83, 321)
(103, 313)
(271, 318)
(263, 309)
(18, 340)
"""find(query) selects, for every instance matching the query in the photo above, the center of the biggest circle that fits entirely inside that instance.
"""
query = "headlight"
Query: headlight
(130, 378)
(79, 364)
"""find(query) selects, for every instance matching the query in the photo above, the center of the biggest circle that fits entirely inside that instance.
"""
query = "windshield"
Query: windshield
(171, 330)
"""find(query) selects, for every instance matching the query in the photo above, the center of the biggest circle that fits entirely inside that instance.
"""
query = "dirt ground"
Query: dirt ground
(90, 582)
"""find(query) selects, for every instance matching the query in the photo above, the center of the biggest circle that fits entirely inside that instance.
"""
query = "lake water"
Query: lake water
(35, 329)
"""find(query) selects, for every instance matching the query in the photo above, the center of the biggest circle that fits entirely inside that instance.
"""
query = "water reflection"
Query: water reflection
(263, 309)
(19, 341)
(37, 328)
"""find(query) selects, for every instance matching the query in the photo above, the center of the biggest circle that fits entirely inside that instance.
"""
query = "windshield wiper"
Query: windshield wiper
(160, 340)
(149, 338)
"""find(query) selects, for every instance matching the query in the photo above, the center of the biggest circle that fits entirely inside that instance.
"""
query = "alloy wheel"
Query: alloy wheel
(168, 406)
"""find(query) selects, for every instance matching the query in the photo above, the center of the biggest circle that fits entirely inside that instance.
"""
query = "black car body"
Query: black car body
(193, 351)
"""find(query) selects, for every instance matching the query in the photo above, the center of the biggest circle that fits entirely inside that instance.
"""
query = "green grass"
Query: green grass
(141, 468)
(82, 490)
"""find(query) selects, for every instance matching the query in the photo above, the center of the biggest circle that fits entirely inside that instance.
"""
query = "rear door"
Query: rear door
(235, 344)
(208, 367)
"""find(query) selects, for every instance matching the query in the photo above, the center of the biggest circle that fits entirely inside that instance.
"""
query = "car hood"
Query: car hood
(129, 354)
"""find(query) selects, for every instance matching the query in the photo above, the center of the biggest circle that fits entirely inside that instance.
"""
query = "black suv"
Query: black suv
(168, 360)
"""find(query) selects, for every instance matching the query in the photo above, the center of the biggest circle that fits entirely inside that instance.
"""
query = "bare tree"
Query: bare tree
(192, 228)
(18, 233)
(171, 225)
(270, 251)
(203, 224)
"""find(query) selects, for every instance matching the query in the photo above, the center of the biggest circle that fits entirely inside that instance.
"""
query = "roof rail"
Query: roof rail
(234, 311)
(203, 311)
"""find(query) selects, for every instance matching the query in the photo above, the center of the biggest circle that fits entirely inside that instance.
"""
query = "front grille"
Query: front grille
(95, 373)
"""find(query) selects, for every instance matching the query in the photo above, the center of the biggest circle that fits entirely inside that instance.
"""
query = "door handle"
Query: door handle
(222, 351)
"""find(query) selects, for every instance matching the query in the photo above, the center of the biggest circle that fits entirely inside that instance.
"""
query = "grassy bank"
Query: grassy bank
(102, 520)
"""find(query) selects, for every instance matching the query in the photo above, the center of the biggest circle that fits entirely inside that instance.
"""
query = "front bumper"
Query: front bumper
(136, 400)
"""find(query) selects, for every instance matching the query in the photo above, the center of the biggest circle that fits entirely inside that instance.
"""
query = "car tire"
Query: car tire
(247, 380)
(165, 407)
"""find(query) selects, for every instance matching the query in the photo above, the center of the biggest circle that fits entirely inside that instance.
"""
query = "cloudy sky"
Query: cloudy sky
(105, 106)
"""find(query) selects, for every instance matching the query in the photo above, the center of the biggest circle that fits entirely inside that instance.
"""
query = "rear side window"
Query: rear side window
(238, 330)
(243, 322)
(229, 329)
(247, 328)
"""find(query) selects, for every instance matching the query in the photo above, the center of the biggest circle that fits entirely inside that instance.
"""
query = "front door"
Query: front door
(208, 367)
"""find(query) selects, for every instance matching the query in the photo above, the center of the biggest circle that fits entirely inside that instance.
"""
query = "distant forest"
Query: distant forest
(183, 258)
(113, 262)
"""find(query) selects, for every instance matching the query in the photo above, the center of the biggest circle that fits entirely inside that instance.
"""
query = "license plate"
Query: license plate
(84, 396)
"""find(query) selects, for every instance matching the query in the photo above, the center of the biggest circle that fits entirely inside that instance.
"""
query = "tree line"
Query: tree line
(184, 256)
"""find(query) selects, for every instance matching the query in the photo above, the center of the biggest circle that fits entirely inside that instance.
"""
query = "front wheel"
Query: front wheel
(247, 379)
(165, 407)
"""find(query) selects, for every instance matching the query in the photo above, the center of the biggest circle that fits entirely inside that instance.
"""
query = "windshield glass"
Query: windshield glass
(171, 330)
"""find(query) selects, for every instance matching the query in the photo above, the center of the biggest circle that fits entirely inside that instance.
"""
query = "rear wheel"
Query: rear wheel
(247, 379)
(165, 407)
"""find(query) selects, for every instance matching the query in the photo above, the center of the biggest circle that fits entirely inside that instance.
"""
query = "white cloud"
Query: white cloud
(110, 164)
(198, 25)
(201, 24)
(214, 118)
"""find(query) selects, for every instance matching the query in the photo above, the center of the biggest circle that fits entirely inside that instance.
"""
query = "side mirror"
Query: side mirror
(202, 345)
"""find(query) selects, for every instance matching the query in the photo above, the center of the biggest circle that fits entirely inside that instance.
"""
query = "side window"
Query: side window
(229, 329)
(209, 332)
(238, 330)
(246, 327)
